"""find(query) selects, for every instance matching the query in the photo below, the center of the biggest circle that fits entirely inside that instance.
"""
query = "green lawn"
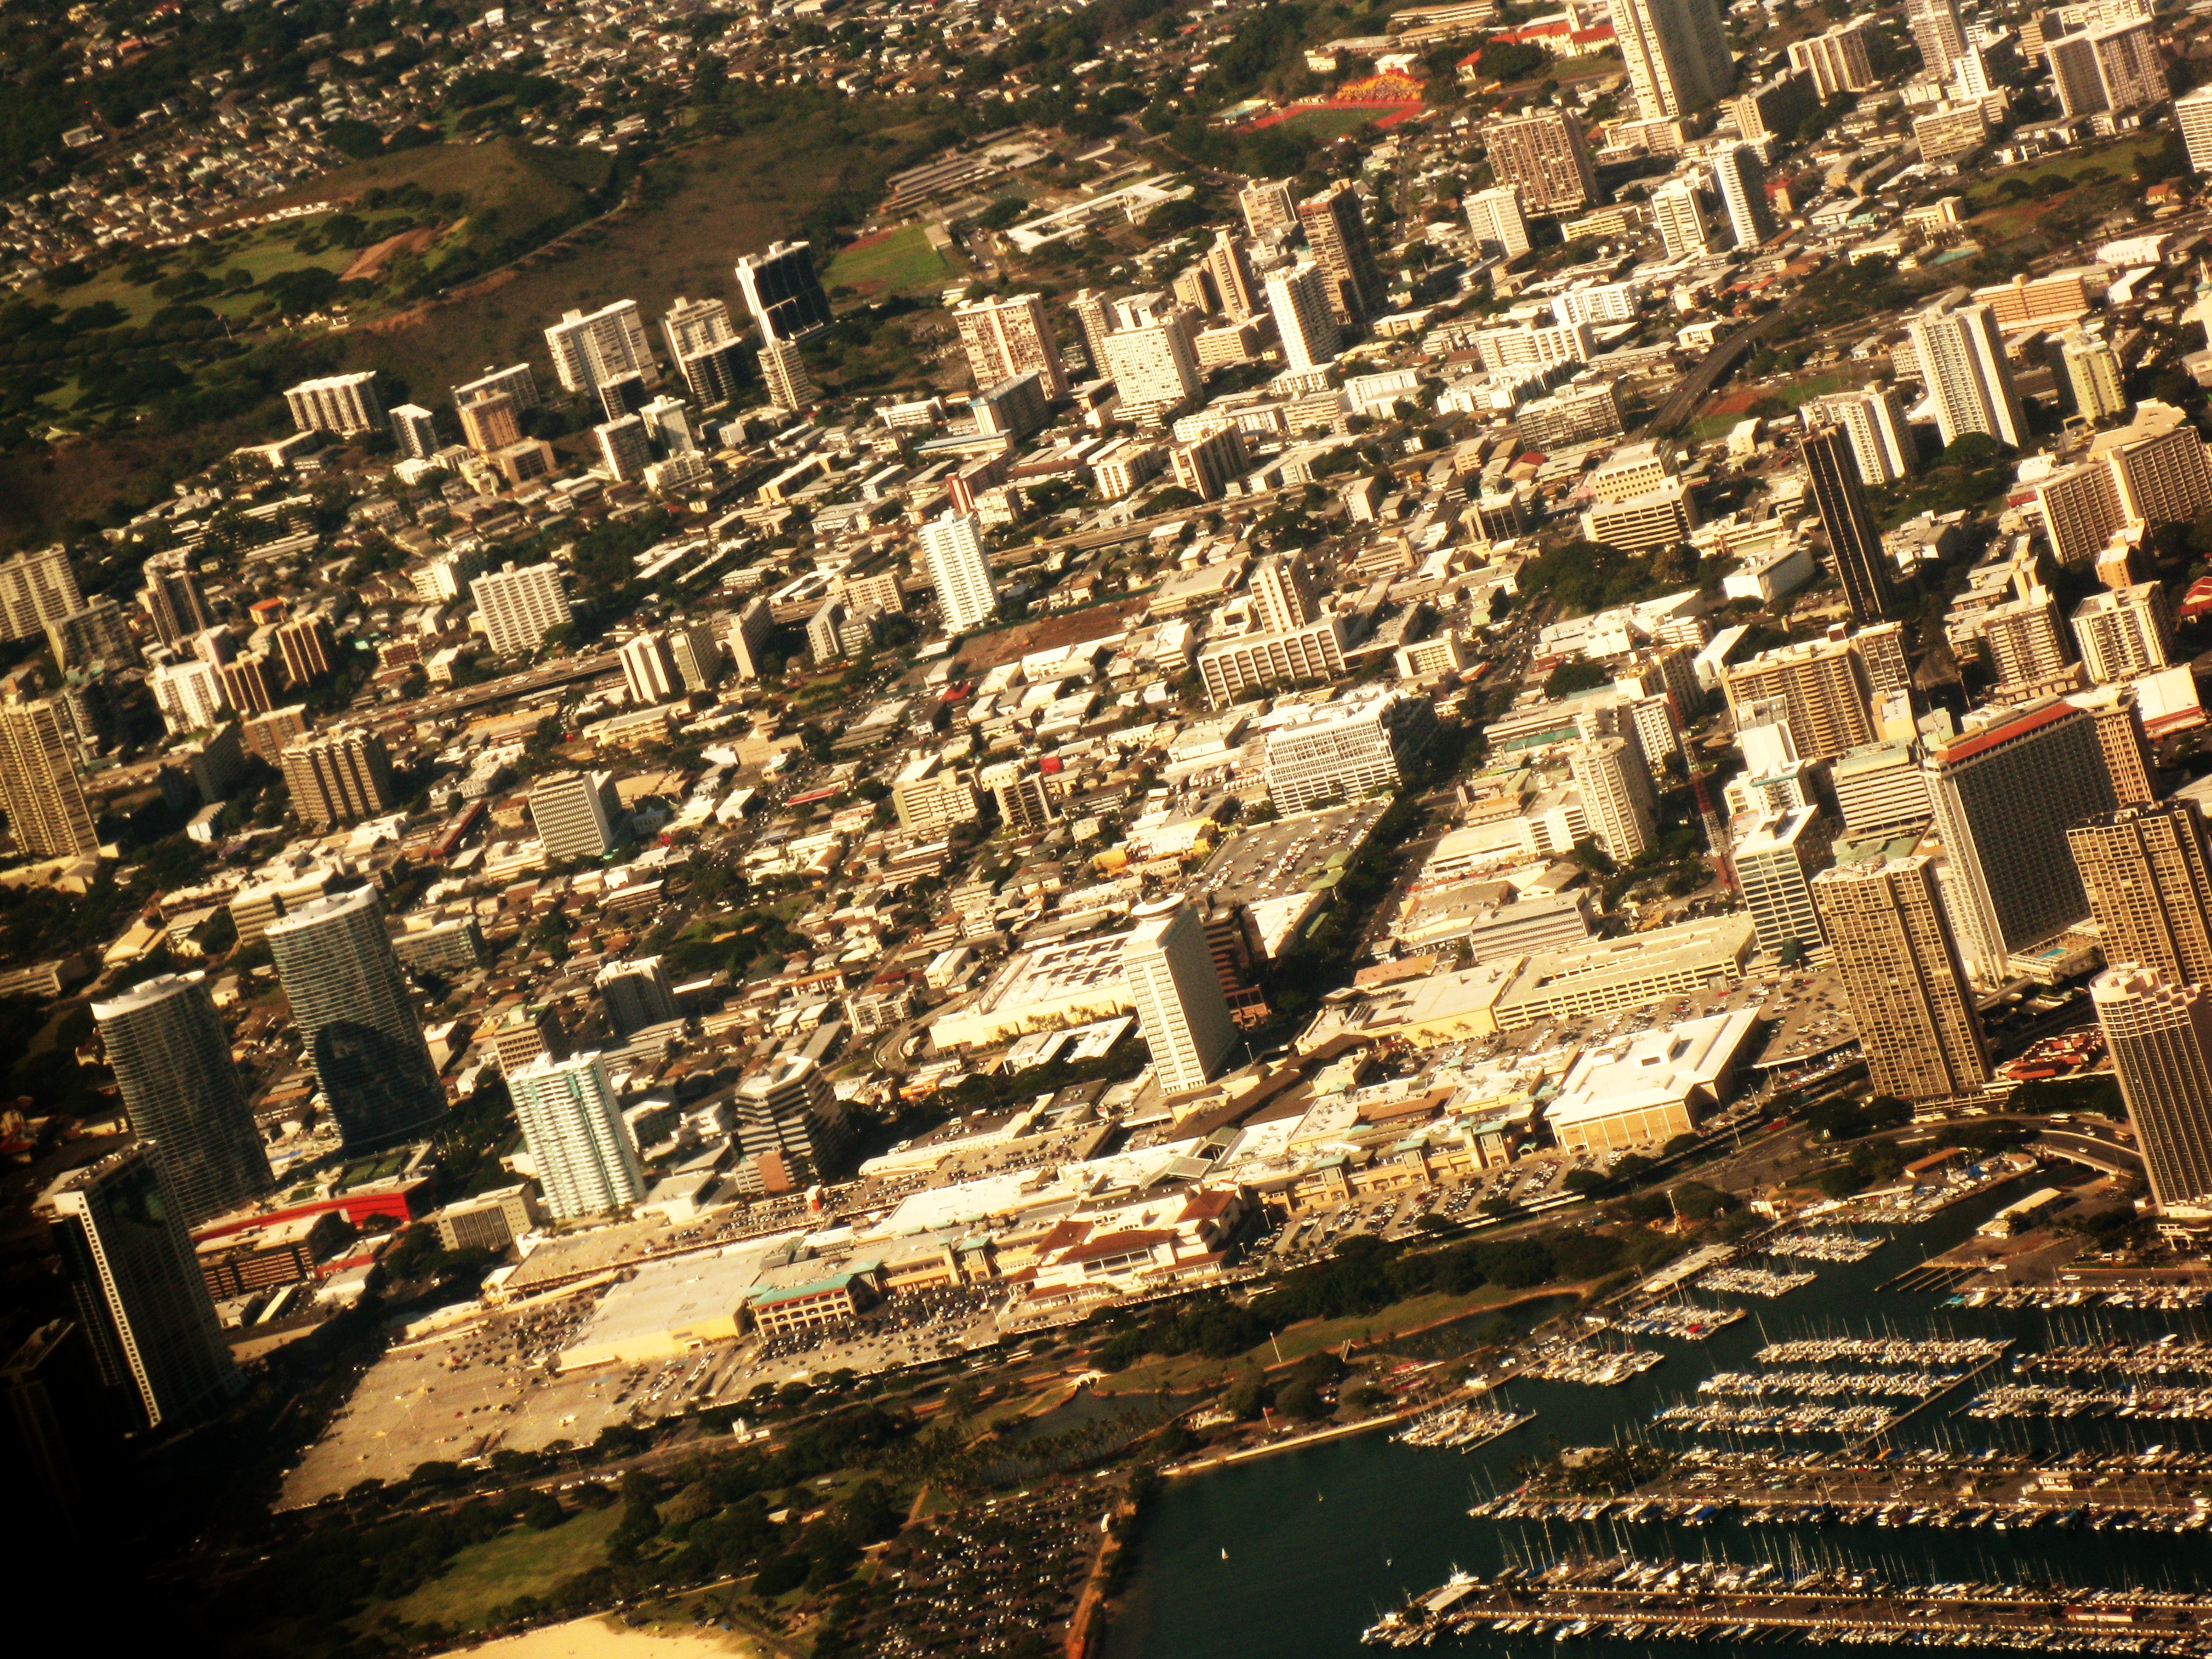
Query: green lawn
(261, 252)
(517, 1563)
(2117, 160)
(895, 263)
(1794, 392)
(1321, 126)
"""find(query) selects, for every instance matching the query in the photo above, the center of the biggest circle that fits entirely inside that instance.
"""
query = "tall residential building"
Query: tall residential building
(1006, 338)
(697, 656)
(1180, 1009)
(2159, 1033)
(2025, 646)
(2092, 376)
(308, 647)
(791, 1110)
(2116, 68)
(1283, 593)
(2120, 737)
(518, 381)
(1903, 976)
(1936, 32)
(1863, 565)
(782, 291)
(136, 1284)
(1743, 185)
(577, 815)
(1842, 60)
(173, 598)
(1154, 367)
(1336, 234)
(1093, 321)
(2147, 870)
(1678, 213)
(35, 589)
(649, 668)
(750, 631)
(1823, 686)
(589, 349)
(1611, 775)
(413, 432)
(2192, 113)
(2123, 632)
(571, 1121)
(344, 403)
(2006, 790)
(1342, 752)
(250, 684)
(39, 786)
(1297, 299)
(637, 995)
(98, 633)
(952, 554)
(1270, 207)
(188, 696)
(702, 343)
(173, 1067)
(519, 607)
(1873, 419)
(490, 421)
(1494, 219)
(359, 1028)
(1023, 798)
(1543, 151)
(624, 450)
(783, 372)
(2151, 471)
(1775, 862)
(1962, 360)
(1677, 55)
(342, 776)
(1233, 282)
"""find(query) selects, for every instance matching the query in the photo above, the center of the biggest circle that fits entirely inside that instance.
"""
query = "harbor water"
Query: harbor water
(1292, 1556)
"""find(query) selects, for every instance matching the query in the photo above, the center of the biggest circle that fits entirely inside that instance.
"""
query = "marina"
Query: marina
(1577, 1362)
(1823, 1385)
(1461, 1428)
(1759, 1418)
(1685, 1322)
(2040, 1399)
(2171, 1352)
(1825, 1247)
(1755, 1281)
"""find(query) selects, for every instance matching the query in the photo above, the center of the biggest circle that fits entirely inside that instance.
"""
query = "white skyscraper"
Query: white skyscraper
(649, 670)
(1935, 31)
(188, 693)
(1299, 301)
(1615, 785)
(1496, 222)
(1742, 183)
(520, 607)
(952, 551)
(2192, 113)
(1874, 420)
(571, 1121)
(1180, 1005)
(1678, 211)
(1678, 58)
(590, 350)
(1962, 360)
(1154, 366)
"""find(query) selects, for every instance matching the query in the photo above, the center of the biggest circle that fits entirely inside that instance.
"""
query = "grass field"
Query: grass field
(517, 1563)
(1723, 414)
(1321, 126)
(896, 262)
(2117, 160)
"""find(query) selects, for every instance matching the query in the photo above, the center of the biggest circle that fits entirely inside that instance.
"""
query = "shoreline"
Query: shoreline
(604, 1636)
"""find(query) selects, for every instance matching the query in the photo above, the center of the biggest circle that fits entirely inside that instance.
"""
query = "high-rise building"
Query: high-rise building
(188, 693)
(577, 815)
(1093, 320)
(341, 777)
(1154, 367)
(952, 554)
(790, 1109)
(2147, 870)
(249, 684)
(2123, 632)
(782, 291)
(591, 349)
(637, 995)
(1021, 797)
(1283, 593)
(1494, 219)
(697, 656)
(1775, 862)
(2159, 1033)
(39, 785)
(702, 343)
(520, 607)
(1270, 207)
(2006, 790)
(98, 633)
(1842, 60)
(136, 1284)
(35, 589)
(2092, 376)
(359, 1028)
(624, 450)
(490, 421)
(1231, 275)
(1297, 299)
(1615, 781)
(1336, 234)
(2192, 113)
(518, 382)
(1863, 565)
(2025, 646)
(1823, 686)
(1903, 976)
(1678, 213)
(413, 432)
(1743, 185)
(750, 632)
(649, 668)
(783, 371)
(2151, 471)
(268, 735)
(173, 598)
(1962, 360)
(1181, 1010)
(344, 403)
(2116, 68)
(1008, 337)
(309, 648)
(1342, 752)
(1936, 32)
(1873, 419)
(1677, 55)
(1543, 151)
(173, 1067)
(2120, 737)
(571, 1121)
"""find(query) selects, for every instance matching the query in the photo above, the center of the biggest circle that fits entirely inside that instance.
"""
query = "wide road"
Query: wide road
(1694, 387)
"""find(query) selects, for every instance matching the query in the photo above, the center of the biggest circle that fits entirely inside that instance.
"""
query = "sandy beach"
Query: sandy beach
(604, 1638)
